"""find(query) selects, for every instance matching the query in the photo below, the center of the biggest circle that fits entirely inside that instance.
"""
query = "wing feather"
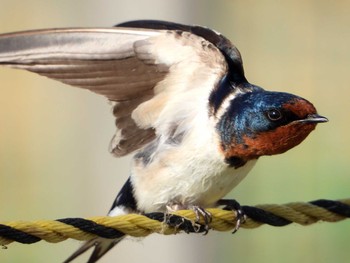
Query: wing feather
(144, 72)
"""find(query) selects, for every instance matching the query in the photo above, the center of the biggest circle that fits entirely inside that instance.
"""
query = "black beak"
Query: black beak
(314, 118)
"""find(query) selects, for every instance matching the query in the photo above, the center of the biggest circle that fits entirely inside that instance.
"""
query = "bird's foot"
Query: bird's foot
(199, 212)
(233, 205)
(207, 217)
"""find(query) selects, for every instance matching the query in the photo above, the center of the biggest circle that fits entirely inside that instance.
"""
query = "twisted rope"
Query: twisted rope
(180, 221)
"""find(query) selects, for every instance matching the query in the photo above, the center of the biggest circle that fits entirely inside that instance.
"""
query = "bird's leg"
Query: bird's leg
(233, 205)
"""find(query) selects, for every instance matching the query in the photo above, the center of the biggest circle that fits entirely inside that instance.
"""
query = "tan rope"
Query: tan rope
(140, 225)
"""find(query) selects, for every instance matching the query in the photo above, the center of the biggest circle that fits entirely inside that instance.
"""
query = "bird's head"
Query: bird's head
(264, 123)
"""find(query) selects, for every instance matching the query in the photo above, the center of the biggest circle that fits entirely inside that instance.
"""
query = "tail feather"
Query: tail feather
(124, 203)
(101, 247)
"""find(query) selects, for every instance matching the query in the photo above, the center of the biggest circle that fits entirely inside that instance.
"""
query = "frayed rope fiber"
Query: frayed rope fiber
(180, 221)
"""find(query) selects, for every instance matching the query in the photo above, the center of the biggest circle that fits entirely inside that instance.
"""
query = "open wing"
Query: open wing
(158, 80)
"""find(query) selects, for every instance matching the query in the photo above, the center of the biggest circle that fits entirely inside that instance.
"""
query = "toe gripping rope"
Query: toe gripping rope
(181, 221)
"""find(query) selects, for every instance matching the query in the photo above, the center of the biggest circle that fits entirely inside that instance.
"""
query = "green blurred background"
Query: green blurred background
(54, 161)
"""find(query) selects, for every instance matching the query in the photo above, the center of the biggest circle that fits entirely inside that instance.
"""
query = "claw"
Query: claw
(199, 211)
(233, 205)
(240, 218)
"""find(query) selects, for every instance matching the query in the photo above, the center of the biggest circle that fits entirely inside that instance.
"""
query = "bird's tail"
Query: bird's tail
(101, 247)
(124, 203)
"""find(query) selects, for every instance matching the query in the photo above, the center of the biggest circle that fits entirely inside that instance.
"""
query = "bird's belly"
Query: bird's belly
(183, 185)
(212, 188)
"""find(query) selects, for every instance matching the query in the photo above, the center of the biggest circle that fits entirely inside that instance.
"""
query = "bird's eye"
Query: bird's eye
(274, 115)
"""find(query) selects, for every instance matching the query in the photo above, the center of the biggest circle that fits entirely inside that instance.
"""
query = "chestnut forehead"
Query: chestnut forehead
(299, 107)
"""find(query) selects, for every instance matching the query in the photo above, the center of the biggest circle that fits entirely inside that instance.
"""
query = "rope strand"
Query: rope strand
(54, 231)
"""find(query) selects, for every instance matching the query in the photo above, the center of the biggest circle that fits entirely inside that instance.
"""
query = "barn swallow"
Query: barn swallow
(182, 105)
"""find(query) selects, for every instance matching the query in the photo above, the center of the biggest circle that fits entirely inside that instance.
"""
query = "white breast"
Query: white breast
(192, 173)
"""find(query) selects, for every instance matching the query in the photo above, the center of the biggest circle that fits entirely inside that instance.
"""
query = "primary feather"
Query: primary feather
(132, 67)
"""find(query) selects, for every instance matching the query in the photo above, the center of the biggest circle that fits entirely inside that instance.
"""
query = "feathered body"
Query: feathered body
(182, 104)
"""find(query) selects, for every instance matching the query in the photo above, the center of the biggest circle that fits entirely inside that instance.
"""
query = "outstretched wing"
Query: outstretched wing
(157, 79)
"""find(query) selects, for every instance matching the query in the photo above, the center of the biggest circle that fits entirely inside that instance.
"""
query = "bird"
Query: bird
(182, 106)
